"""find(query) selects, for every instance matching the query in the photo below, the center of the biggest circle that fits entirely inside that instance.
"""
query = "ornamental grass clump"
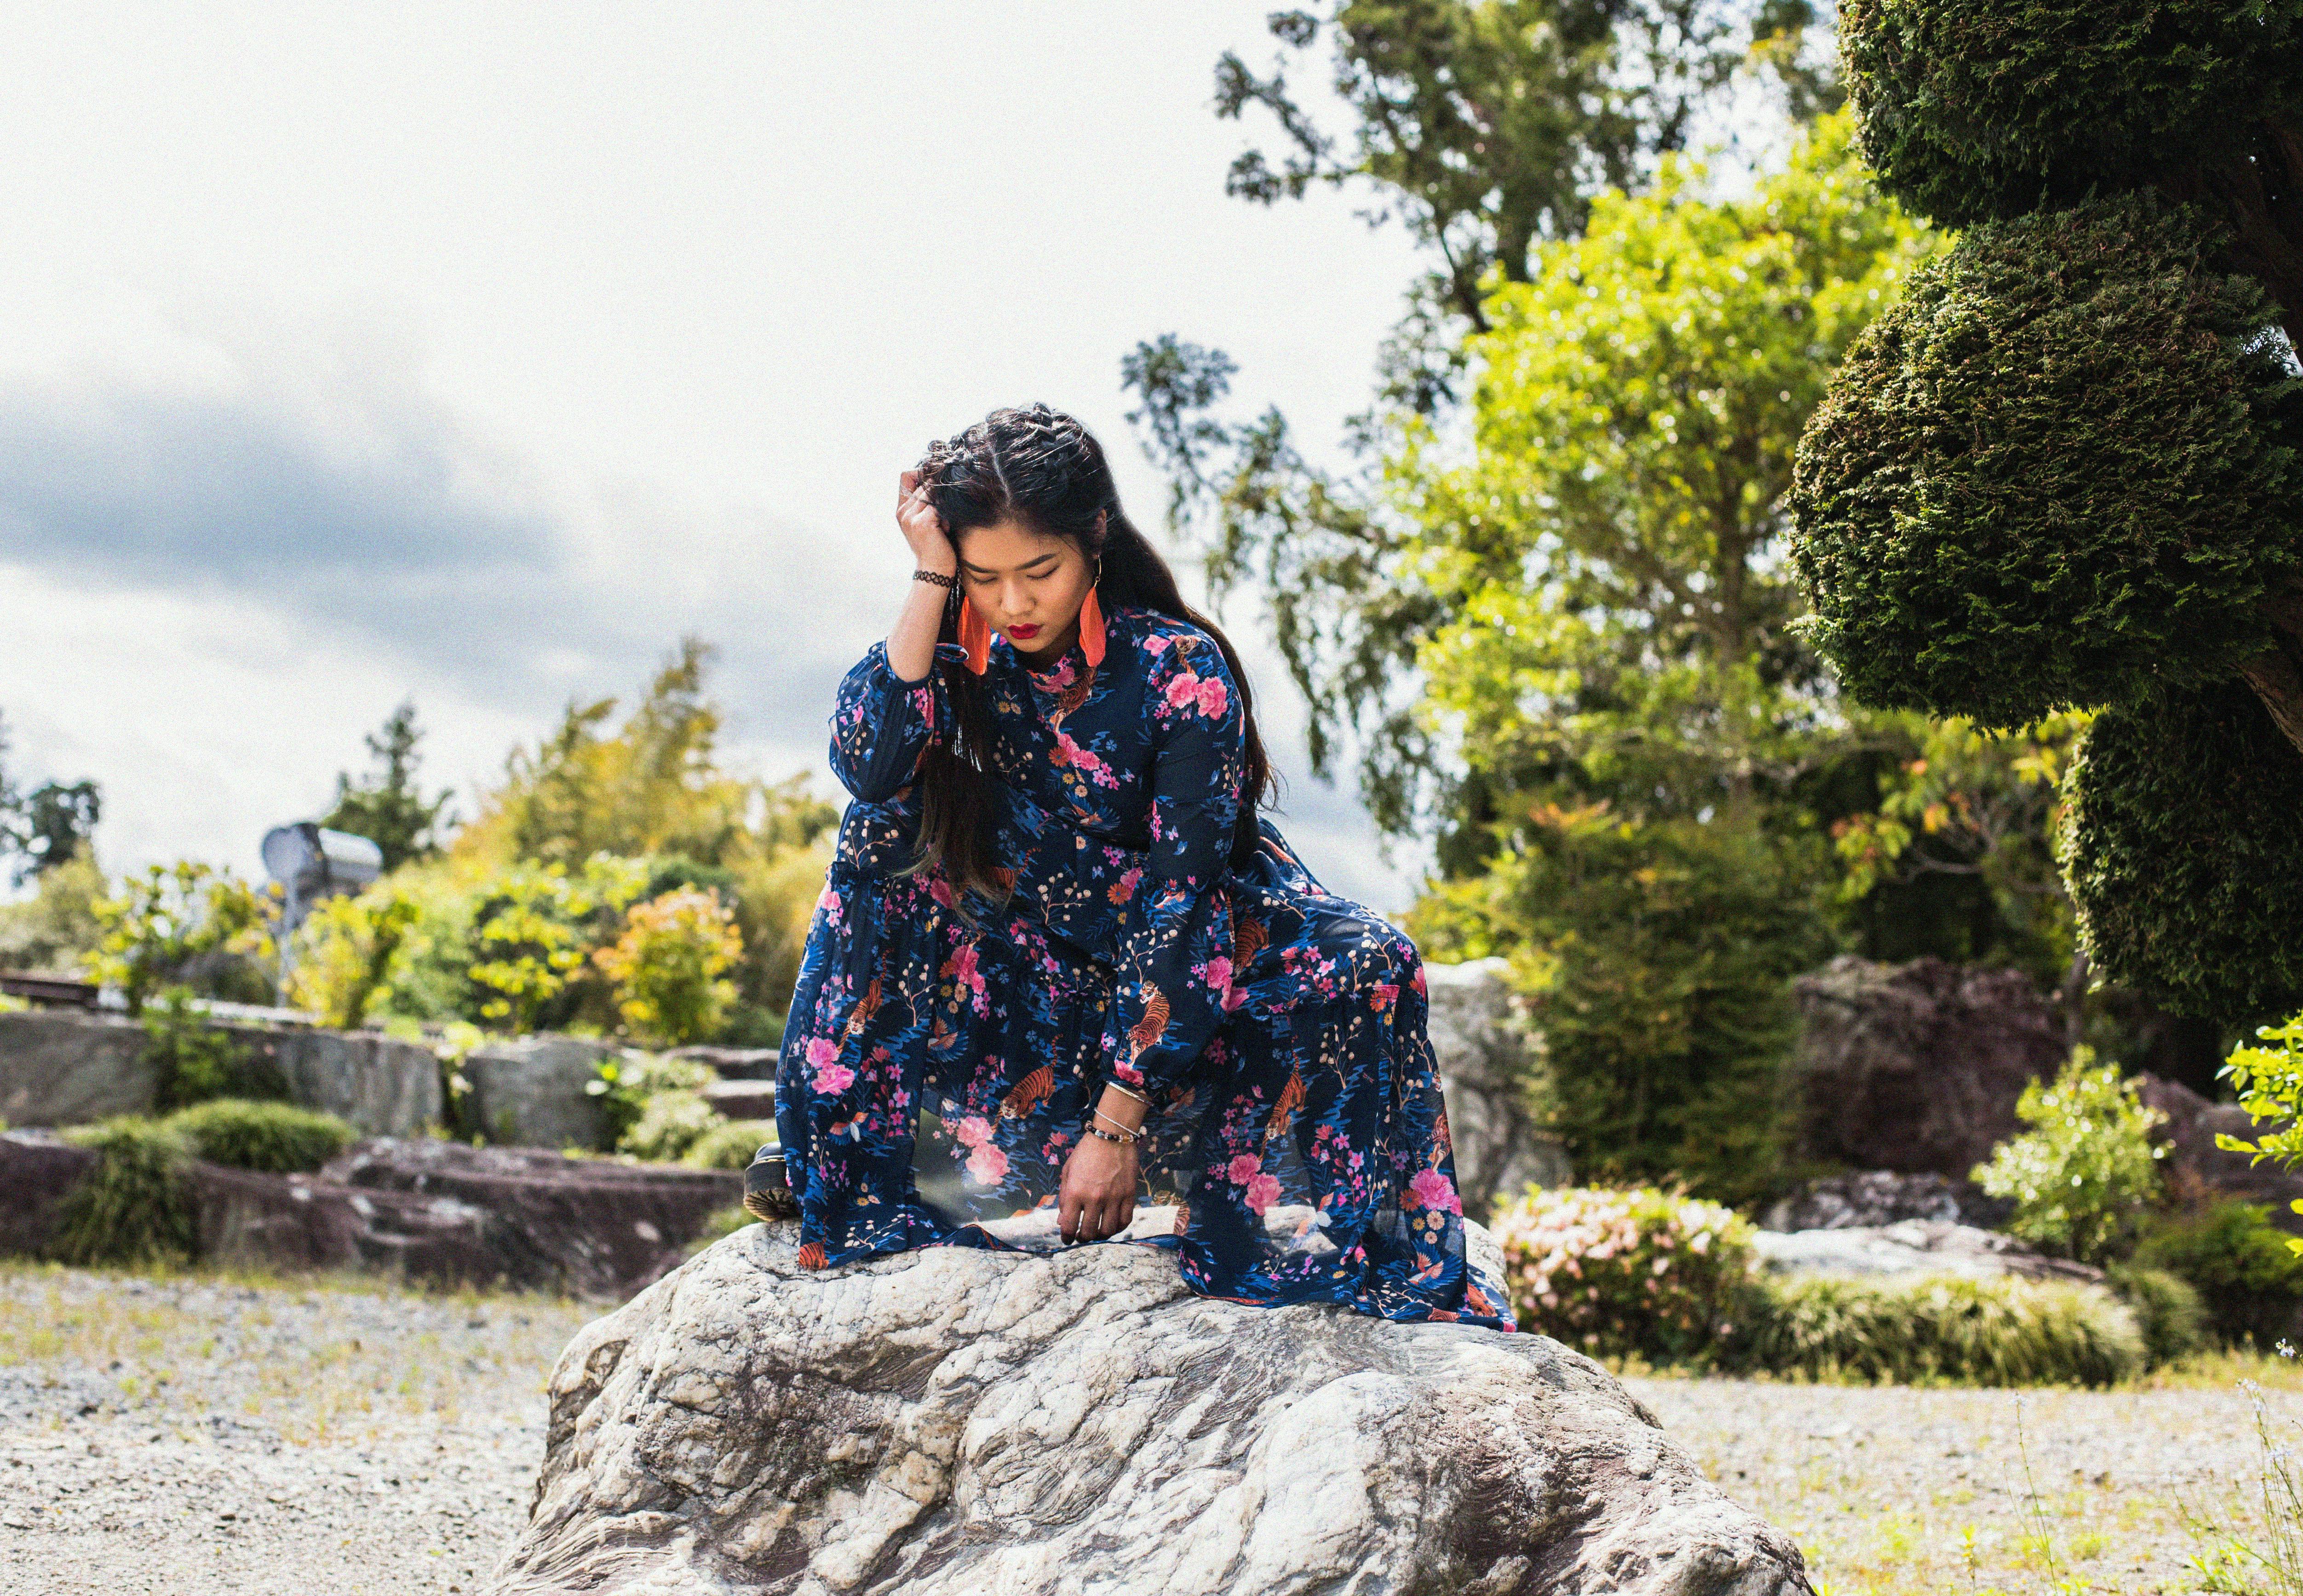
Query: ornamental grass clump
(1630, 1272)
(132, 1206)
(273, 1138)
(1995, 1332)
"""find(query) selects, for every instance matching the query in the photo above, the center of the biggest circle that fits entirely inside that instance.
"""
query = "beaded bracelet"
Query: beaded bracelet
(1105, 1136)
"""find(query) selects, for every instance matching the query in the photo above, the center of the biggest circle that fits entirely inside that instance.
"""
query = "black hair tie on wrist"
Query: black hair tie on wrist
(937, 577)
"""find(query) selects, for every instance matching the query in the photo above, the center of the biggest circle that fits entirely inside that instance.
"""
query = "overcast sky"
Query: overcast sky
(474, 352)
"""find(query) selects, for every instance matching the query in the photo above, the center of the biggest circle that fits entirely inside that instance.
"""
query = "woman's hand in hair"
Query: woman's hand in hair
(1097, 1198)
(923, 527)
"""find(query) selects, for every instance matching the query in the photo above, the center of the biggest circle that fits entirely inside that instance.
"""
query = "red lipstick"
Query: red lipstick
(1024, 634)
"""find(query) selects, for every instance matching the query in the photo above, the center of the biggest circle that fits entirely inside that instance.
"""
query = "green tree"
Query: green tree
(2064, 474)
(387, 806)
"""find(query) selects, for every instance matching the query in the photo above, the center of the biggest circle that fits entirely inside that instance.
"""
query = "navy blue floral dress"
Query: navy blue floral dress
(942, 1052)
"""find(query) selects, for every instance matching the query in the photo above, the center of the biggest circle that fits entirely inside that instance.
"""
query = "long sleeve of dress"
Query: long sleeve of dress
(1174, 966)
(880, 726)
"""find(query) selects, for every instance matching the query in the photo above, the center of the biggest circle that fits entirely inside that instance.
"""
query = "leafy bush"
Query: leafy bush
(2249, 1279)
(276, 1138)
(1974, 109)
(344, 952)
(628, 1085)
(166, 918)
(1618, 1272)
(132, 1206)
(531, 931)
(670, 1123)
(56, 929)
(2269, 1081)
(2168, 1312)
(2183, 851)
(670, 966)
(2000, 1331)
(2081, 1176)
(192, 1060)
(1946, 492)
(729, 1146)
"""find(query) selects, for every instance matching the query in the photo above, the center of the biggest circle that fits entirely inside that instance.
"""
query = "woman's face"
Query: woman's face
(1027, 586)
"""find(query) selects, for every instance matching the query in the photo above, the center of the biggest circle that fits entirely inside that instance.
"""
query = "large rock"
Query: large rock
(440, 1213)
(61, 1067)
(1485, 1058)
(1913, 1247)
(951, 1423)
(2198, 1172)
(1875, 1198)
(529, 1091)
(1916, 1068)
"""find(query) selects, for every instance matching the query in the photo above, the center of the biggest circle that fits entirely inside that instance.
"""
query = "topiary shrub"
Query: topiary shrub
(2168, 1312)
(2247, 1277)
(2059, 474)
(2184, 846)
(731, 1144)
(132, 1206)
(1974, 109)
(2000, 1332)
(1617, 1274)
(2082, 1174)
(276, 1138)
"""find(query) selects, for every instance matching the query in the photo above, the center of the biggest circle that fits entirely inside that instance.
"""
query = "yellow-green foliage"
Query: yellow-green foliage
(2244, 1270)
(2269, 1081)
(57, 928)
(729, 1146)
(2001, 1331)
(2082, 1176)
(670, 966)
(652, 1105)
(274, 1138)
(132, 1207)
(534, 928)
(167, 915)
(2169, 1313)
(1616, 1272)
(192, 1060)
(345, 950)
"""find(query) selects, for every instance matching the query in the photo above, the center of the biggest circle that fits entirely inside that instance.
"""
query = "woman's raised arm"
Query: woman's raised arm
(911, 645)
(890, 709)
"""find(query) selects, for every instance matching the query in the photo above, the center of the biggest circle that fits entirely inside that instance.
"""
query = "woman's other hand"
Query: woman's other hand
(1097, 1198)
(923, 528)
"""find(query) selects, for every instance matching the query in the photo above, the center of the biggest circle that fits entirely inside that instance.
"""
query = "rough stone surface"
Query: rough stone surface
(1873, 1197)
(2198, 1172)
(438, 1213)
(951, 1421)
(381, 1087)
(60, 1067)
(733, 1063)
(528, 1092)
(1483, 1055)
(742, 1099)
(1915, 1246)
(592, 1227)
(1916, 1068)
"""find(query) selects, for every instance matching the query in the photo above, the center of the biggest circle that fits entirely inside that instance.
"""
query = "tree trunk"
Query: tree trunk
(2276, 674)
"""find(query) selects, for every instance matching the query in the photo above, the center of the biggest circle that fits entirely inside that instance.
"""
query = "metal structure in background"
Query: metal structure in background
(312, 864)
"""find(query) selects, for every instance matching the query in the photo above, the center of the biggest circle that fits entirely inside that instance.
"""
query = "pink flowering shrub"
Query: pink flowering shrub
(1616, 1272)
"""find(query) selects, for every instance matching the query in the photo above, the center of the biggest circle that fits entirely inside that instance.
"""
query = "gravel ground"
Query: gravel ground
(1894, 1491)
(188, 1435)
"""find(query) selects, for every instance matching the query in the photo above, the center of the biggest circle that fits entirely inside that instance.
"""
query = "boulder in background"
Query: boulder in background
(529, 1091)
(1485, 1057)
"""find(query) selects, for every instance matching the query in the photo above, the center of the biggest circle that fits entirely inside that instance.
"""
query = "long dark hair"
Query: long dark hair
(1039, 467)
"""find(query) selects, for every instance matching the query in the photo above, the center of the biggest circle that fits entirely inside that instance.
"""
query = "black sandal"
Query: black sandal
(767, 1190)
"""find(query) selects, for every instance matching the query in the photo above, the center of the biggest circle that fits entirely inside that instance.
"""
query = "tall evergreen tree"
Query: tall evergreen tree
(2063, 473)
(388, 807)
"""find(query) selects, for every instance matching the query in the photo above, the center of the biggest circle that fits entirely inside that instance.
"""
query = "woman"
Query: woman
(1061, 968)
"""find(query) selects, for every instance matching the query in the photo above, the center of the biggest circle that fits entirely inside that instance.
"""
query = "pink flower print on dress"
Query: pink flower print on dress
(987, 1165)
(974, 1131)
(1431, 1189)
(1155, 645)
(833, 1079)
(1262, 1192)
(1244, 1168)
(828, 902)
(1213, 697)
(822, 1050)
(1219, 972)
(1182, 690)
(1383, 997)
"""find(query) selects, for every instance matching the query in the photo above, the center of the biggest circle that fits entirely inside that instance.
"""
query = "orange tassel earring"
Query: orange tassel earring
(1091, 628)
(976, 637)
